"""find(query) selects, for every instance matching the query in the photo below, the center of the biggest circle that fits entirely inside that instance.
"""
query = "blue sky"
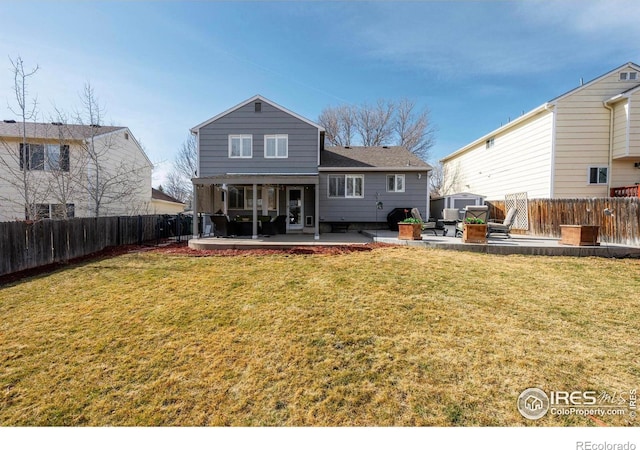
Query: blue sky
(162, 67)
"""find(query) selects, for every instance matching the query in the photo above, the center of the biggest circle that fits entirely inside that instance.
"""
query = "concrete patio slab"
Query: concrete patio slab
(280, 241)
(500, 245)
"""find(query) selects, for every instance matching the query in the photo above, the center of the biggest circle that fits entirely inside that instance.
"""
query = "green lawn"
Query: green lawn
(394, 336)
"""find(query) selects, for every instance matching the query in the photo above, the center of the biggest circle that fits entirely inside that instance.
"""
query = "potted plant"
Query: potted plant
(475, 231)
(410, 229)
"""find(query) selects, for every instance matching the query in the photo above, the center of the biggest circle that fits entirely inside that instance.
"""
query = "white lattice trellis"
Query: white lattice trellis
(520, 202)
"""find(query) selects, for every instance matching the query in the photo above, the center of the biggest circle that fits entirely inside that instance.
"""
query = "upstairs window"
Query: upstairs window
(598, 175)
(276, 146)
(395, 183)
(48, 157)
(240, 146)
(628, 76)
(489, 143)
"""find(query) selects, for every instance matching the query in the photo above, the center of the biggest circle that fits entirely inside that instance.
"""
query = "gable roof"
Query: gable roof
(195, 129)
(371, 159)
(41, 130)
(157, 194)
(542, 108)
(630, 65)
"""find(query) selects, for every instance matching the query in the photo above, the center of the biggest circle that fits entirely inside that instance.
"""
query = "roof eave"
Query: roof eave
(533, 112)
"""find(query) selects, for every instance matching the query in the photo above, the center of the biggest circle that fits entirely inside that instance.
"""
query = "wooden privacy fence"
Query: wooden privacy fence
(28, 245)
(622, 226)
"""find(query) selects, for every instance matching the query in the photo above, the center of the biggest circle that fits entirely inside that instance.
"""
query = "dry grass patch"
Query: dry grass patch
(396, 336)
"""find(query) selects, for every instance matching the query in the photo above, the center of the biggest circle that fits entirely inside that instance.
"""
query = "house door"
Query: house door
(295, 208)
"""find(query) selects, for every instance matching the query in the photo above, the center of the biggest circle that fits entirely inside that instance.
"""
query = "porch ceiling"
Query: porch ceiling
(257, 179)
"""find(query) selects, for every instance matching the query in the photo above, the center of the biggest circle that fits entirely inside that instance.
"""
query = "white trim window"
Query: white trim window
(628, 76)
(598, 175)
(240, 146)
(345, 186)
(271, 198)
(276, 146)
(395, 183)
(47, 157)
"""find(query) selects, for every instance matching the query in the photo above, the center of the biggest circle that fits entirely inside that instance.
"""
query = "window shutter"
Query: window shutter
(64, 158)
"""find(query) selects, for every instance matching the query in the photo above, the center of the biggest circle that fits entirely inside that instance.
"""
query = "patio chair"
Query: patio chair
(426, 226)
(503, 227)
(475, 212)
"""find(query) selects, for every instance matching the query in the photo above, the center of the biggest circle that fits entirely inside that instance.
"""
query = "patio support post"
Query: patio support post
(195, 211)
(255, 212)
(316, 236)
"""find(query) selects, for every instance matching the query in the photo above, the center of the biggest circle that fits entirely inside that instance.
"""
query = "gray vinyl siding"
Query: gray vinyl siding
(214, 143)
(364, 209)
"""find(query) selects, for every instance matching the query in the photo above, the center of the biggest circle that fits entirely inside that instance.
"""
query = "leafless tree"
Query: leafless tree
(185, 167)
(384, 123)
(68, 172)
(339, 123)
(444, 179)
(413, 129)
(373, 123)
(109, 181)
(21, 167)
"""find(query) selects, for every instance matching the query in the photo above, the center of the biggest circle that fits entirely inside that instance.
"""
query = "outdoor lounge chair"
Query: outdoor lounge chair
(426, 226)
(503, 227)
(475, 212)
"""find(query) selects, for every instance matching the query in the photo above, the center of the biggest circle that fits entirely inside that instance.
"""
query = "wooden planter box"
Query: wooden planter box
(410, 231)
(579, 234)
(474, 233)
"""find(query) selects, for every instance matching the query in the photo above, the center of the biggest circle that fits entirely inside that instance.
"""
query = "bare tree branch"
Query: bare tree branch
(109, 181)
(28, 186)
(385, 123)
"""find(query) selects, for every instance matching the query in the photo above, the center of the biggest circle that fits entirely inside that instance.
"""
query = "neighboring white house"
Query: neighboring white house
(584, 143)
(64, 168)
(162, 203)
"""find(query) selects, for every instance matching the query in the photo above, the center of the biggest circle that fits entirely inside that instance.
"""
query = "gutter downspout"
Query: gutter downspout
(610, 108)
(552, 170)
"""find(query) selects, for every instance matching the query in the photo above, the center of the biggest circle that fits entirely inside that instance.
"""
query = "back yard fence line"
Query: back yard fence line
(622, 226)
(28, 245)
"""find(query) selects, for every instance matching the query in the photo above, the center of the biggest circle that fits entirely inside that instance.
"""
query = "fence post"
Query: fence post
(139, 230)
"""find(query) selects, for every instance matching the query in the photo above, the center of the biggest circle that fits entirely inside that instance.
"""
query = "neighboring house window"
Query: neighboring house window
(346, 186)
(54, 211)
(631, 76)
(489, 143)
(271, 198)
(236, 198)
(598, 175)
(240, 146)
(276, 146)
(395, 183)
(58, 211)
(49, 157)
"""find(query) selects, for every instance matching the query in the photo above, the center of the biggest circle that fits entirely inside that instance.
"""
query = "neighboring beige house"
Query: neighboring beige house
(584, 143)
(162, 203)
(63, 168)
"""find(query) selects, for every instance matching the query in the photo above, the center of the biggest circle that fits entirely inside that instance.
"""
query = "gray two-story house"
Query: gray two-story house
(259, 160)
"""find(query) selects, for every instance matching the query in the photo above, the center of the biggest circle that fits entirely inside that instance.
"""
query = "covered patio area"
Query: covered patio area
(256, 204)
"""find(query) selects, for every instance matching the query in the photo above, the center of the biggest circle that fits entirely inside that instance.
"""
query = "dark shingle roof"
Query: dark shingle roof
(159, 195)
(382, 157)
(51, 131)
